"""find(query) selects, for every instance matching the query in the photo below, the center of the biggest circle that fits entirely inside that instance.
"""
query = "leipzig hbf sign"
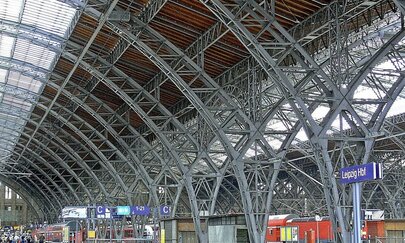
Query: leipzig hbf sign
(359, 173)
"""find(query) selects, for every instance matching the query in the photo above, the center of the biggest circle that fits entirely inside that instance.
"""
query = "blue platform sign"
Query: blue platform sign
(114, 214)
(100, 210)
(358, 173)
(165, 210)
(123, 210)
(140, 210)
(103, 212)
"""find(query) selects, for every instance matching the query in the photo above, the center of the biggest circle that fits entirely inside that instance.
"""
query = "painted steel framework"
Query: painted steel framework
(264, 136)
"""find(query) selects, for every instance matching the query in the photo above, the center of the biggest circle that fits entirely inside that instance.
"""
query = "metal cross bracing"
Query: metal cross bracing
(271, 44)
(108, 112)
(207, 116)
(45, 164)
(70, 95)
(198, 139)
(102, 20)
(67, 167)
(373, 197)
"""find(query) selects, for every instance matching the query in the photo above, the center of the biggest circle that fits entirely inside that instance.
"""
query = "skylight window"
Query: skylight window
(24, 63)
(10, 9)
(6, 44)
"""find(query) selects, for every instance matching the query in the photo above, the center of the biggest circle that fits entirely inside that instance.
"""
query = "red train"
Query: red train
(290, 227)
(62, 232)
(72, 233)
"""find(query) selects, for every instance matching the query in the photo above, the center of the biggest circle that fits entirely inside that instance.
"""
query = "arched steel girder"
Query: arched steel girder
(104, 123)
(39, 190)
(25, 194)
(259, 52)
(87, 169)
(43, 173)
(101, 21)
(196, 72)
(111, 170)
(93, 71)
(144, 116)
(146, 179)
(139, 111)
(61, 162)
(45, 163)
(108, 127)
(70, 152)
(148, 56)
(134, 131)
(91, 128)
(91, 112)
(43, 189)
(86, 139)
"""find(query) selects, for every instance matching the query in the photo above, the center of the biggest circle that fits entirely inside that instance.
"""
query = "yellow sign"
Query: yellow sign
(285, 234)
(66, 234)
(91, 234)
(162, 236)
(289, 233)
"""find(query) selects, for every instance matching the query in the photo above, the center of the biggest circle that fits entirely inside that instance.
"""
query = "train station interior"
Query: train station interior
(220, 121)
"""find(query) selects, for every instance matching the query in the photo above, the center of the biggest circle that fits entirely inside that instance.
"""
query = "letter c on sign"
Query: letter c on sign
(165, 209)
(100, 209)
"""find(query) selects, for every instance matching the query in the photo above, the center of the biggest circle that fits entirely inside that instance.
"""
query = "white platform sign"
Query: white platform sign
(74, 212)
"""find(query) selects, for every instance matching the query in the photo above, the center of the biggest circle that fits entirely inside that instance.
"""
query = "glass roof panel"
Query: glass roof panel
(36, 55)
(50, 15)
(24, 82)
(3, 74)
(10, 9)
(20, 80)
(6, 44)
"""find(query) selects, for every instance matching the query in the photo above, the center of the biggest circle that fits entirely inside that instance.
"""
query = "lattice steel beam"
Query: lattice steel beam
(102, 20)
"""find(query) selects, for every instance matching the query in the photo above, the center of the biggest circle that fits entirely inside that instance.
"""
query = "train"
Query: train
(62, 232)
(72, 232)
(290, 227)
